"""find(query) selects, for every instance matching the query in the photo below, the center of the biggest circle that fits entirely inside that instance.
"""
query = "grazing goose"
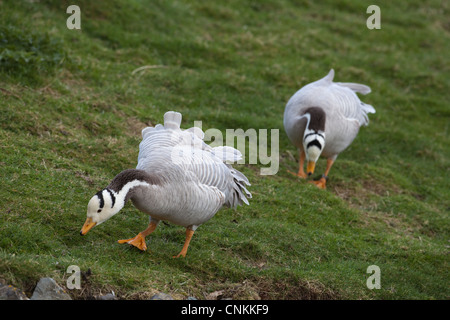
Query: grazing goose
(322, 119)
(178, 178)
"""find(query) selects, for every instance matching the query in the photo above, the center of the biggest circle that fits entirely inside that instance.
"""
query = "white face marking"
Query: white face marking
(313, 144)
(100, 207)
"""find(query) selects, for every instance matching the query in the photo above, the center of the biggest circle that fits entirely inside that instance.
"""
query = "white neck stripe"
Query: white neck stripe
(122, 194)
(129, 185)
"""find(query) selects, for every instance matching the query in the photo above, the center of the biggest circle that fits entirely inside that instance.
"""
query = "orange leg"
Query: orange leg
(321, 183)
(189, 234)
(301, 173)
(139, 240)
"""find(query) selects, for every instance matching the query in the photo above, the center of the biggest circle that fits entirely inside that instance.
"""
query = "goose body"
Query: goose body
(327, 116)
(178, 178)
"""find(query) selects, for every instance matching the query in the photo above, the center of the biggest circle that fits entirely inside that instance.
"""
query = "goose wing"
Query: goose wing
(182, 155)
(349, 104)
(337, 98)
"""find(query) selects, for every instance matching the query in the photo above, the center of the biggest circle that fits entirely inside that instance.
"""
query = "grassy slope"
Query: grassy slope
(68, 130)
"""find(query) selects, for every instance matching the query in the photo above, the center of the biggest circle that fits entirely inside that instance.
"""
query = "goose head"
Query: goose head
(314, 137)
(313, 144)
(109, 201)
(101, 207)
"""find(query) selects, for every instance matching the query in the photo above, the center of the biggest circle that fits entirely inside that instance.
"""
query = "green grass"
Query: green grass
(71, 112)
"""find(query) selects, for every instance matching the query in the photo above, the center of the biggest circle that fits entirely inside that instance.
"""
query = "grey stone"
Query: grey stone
(108, 296)
(8, 292)
(48, 289)
(161, 296)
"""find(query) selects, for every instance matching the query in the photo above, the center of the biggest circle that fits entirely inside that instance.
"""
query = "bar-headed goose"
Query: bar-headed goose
(178, 178)
(322, 119)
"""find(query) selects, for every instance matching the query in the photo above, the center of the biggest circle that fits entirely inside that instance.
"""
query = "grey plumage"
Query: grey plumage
(345, 113)
(178, 178)
(196, 181)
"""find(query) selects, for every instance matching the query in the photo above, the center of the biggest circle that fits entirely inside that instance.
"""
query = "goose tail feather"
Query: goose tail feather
(172, 120)
(355, 87)
(239, 194)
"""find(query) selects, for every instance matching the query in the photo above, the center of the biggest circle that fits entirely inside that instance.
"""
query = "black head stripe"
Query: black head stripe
(313, 133)
(314, 143)
(100, 197)
(113, 198)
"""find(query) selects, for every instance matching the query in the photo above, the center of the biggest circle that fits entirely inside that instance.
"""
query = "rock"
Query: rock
(191, 298)
(161, 296)
(8, 292)
(48, 289)
(108, 296)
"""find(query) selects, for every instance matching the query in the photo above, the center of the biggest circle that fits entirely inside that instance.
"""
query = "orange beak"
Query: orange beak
(310, 167)
(88, 225)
